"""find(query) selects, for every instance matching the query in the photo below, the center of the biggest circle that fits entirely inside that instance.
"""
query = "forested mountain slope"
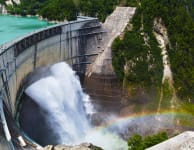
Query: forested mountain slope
(64, 9)
(138, 51)
(137, 58)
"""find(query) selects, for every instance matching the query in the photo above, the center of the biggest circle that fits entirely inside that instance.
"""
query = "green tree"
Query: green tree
(136, 142)
(178, 17)
(59, 10)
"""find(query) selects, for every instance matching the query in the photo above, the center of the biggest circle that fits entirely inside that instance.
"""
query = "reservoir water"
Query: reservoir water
(12, 27)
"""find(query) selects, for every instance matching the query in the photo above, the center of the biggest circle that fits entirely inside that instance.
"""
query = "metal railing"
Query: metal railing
(30, 39)
(35, 38)
(5, 127)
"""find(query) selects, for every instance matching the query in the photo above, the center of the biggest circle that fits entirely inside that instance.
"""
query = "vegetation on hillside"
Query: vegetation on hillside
(2, 1)
(131, 56)
(136, 57)
(98, 8)
(131, 3)
(136, 62)
(136, 142)
(26, 7)
(58, 10)
(64, 9)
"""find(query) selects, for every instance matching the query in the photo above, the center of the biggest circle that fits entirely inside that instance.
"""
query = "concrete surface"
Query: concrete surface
(68, 45)
(22, 56)
(114, 25)
(184, 141)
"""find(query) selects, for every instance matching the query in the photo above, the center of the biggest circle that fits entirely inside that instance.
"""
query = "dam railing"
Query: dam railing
(11, 50)
(5, 126)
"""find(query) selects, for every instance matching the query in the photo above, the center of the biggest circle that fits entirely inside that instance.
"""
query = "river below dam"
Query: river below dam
(13, 26)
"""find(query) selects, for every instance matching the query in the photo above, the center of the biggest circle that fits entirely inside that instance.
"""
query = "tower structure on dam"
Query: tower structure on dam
(75, 42)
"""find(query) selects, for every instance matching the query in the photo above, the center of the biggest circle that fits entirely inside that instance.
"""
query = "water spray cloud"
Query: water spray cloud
(67, 107)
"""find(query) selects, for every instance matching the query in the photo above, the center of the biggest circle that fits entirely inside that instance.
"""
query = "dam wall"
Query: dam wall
(73, 42)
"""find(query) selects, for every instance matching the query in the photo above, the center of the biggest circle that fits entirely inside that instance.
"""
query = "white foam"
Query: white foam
(62, 97)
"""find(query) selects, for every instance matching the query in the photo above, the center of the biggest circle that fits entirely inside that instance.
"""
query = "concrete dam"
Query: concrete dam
(75, 42)
(84, 44)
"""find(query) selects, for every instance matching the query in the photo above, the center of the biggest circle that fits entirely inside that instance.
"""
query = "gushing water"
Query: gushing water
(68, 109)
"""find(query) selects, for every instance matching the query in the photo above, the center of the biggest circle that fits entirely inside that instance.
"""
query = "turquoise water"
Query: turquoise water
(12, 27)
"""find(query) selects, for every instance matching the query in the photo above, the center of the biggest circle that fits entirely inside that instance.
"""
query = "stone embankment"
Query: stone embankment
(100, 81)
(84, 146)
(114, 25)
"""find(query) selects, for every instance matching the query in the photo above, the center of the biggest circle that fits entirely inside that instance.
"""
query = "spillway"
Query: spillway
(57, 111)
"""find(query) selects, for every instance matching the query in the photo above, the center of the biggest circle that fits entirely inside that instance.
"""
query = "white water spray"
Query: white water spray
(60, 95)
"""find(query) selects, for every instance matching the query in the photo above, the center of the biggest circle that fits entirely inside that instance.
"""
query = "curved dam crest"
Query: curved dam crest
(75, 42)
(70, 42)
(78, 43)
(16, 26)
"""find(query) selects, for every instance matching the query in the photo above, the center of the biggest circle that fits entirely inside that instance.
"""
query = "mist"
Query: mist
(68, 110)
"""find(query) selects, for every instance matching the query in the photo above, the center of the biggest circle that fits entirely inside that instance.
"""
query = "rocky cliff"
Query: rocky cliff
(10, 2)
(7, 2)
(152, 61)
(138, 73)
(3, 9)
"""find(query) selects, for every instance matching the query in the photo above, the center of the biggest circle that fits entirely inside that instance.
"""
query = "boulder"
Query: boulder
(184, 141)
(84, 146)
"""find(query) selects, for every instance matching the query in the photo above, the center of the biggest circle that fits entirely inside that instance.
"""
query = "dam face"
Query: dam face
(72, 42)
(75, 42)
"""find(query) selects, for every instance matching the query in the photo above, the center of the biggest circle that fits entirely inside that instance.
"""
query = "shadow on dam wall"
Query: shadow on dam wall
(43, 132)
(75, 42)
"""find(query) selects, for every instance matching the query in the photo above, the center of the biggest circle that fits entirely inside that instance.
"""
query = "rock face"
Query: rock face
(184, 141)
(17, 1)
(7, 2)
(2, 9)
(161, 34)
(84, 146)
(10, 2)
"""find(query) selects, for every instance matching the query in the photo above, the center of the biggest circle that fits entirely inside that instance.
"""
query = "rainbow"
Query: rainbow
(143, 115)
